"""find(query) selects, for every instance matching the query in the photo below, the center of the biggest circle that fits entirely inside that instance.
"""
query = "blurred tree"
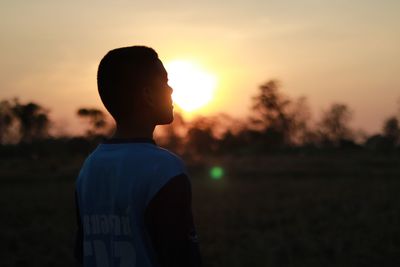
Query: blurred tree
(300, 122)
(171, 135)
(200, 139)
(223, 123)
(360, 136)
(334, 125)
(389, 139)
(283, 121)
(391, 130)
(6, 121)
(33, 120)
(271, 113)
(97, 121)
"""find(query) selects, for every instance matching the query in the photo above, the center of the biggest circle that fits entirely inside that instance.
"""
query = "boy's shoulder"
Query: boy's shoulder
(168, 159)
(168, 155)
(161, 158)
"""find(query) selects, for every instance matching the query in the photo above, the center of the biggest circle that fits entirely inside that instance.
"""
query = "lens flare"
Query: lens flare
(216, 172)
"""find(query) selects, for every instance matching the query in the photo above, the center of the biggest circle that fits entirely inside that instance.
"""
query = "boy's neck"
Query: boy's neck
(133, 130)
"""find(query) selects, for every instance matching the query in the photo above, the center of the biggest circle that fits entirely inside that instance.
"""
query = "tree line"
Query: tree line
(277, 123)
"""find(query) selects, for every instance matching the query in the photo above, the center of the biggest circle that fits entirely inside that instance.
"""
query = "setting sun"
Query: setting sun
(193, 87)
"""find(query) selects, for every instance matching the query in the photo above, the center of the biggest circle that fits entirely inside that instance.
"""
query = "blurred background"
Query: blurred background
(286, 114)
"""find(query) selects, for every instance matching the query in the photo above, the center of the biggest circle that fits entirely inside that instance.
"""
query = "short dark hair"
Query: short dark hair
(121, 73)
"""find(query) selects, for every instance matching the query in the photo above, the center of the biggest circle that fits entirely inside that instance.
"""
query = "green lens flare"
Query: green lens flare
(216, 173)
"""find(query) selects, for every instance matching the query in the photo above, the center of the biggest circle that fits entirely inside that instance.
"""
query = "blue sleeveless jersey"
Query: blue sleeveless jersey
(114, 186)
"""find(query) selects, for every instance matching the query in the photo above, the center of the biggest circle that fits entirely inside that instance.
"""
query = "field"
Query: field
(284, 210)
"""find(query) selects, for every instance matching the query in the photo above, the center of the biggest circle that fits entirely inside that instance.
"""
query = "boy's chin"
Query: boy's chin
(166, 119)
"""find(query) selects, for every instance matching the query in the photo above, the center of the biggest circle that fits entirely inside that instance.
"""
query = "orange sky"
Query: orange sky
(330, 52)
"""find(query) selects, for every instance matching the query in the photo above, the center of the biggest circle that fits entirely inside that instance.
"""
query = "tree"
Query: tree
(96, 118)
(271, 112)
(33, 120)
(334, 125)
(300, 119)
(200, 139)
(391, 130)
(389, 139)
(6, 121)
(171, 135)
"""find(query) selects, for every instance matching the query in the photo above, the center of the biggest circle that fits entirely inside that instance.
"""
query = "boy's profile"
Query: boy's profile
(133, 198)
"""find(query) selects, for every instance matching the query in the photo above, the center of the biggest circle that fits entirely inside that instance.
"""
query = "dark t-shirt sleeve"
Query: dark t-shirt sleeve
(170, 223)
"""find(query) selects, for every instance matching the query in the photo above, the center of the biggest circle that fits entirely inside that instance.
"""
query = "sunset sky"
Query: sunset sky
(330, 51)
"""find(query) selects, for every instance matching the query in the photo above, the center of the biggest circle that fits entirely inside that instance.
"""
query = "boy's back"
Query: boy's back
(133, 199)
(115, 186)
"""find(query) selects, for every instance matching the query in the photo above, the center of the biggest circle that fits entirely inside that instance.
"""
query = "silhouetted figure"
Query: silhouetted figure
(133, 197)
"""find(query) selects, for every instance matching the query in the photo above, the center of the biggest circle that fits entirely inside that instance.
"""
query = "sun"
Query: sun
(192, 86)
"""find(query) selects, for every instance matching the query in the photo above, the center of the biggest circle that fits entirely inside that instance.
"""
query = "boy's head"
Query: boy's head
(133, 84)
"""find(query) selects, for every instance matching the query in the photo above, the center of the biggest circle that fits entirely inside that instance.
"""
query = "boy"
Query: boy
(133, 198)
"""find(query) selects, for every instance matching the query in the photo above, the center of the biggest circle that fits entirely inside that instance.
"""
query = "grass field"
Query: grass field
(332, 210)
